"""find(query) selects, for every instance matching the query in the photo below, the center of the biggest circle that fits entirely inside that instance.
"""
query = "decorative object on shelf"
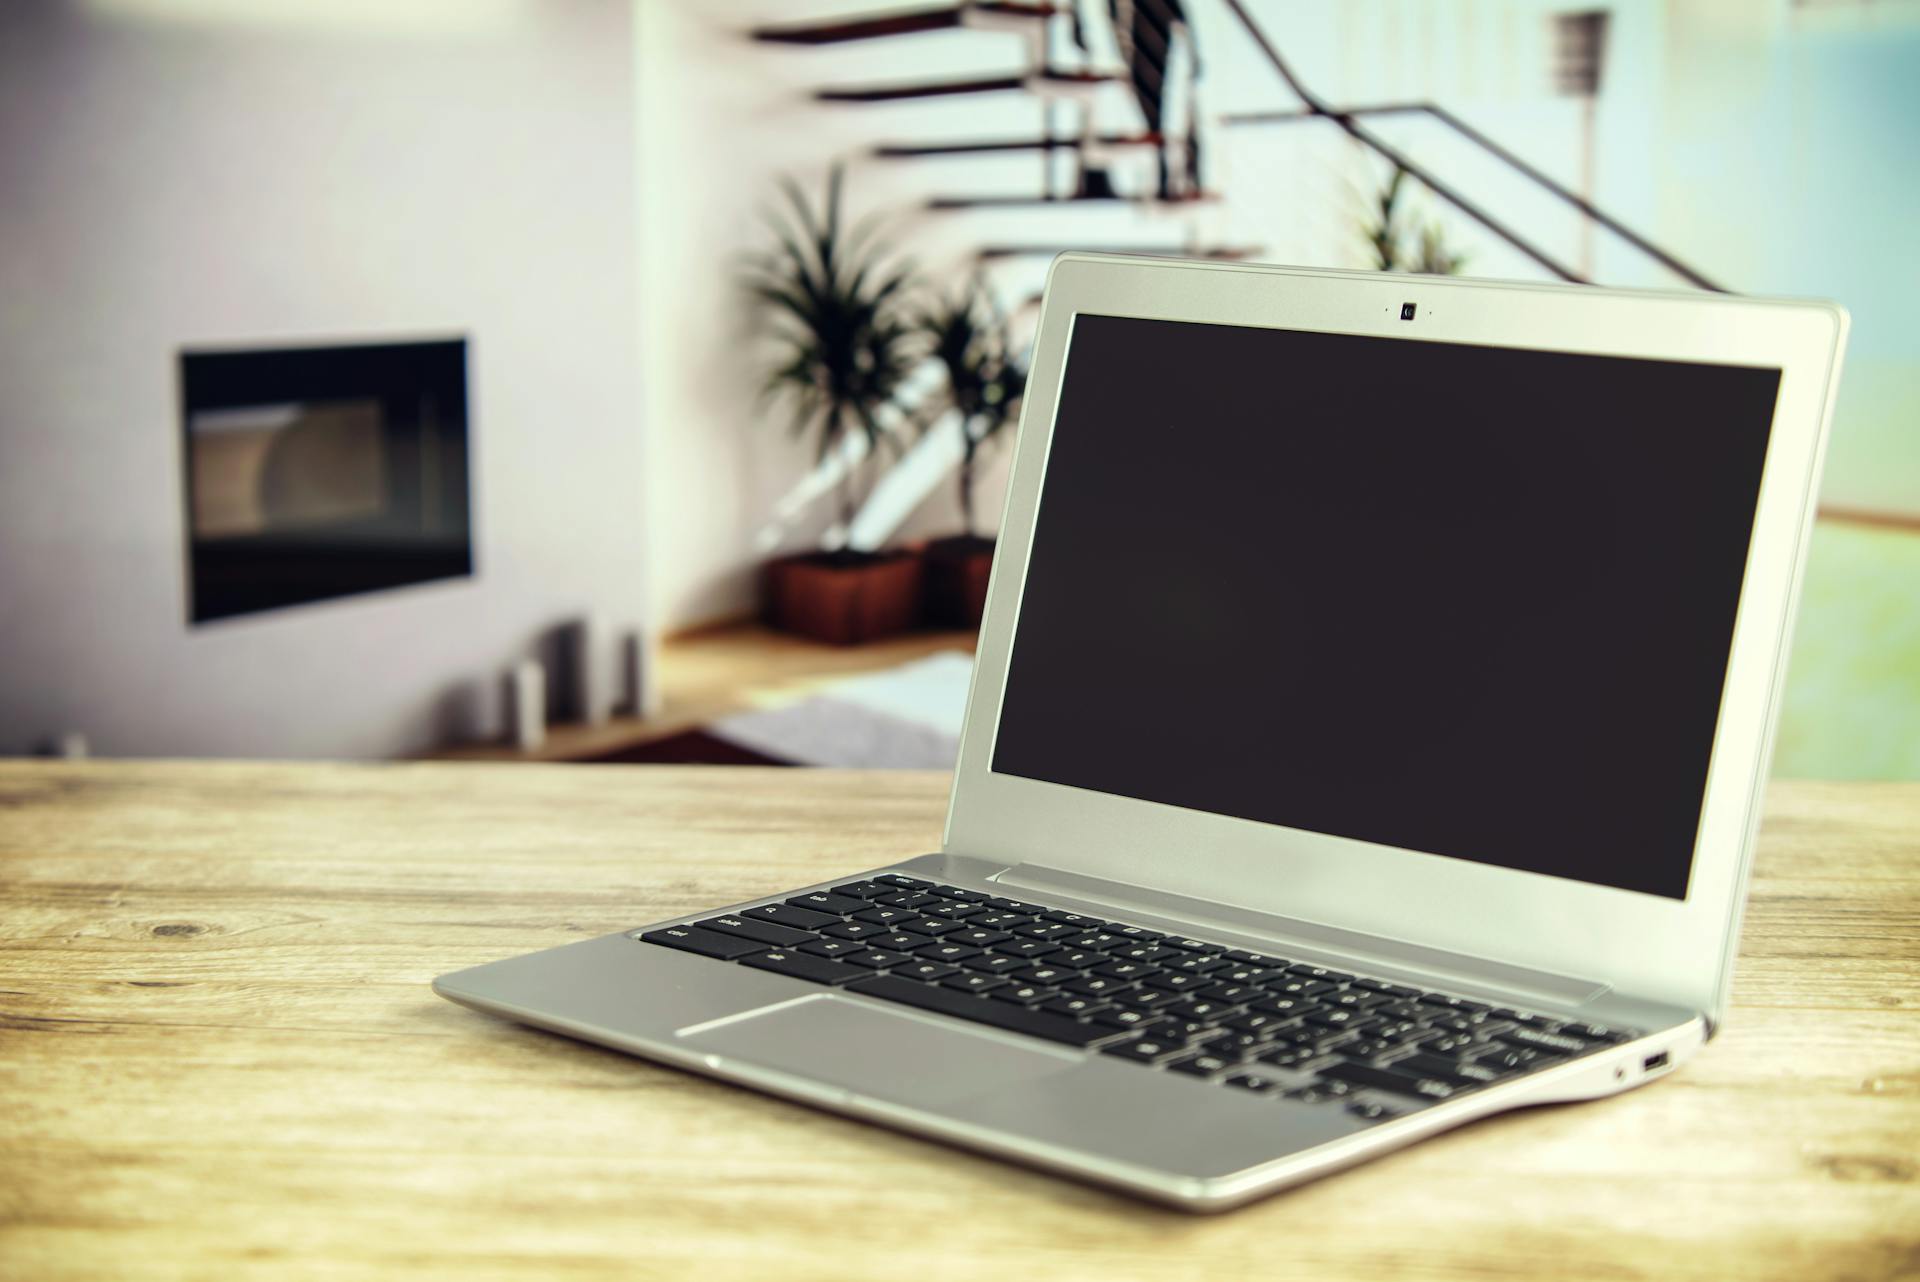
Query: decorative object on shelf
(639, 692)
(984, 383)
(845, 346)
(527, 705)
(578, 689)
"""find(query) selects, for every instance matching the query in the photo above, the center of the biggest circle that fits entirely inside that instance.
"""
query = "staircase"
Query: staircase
(1056, 89)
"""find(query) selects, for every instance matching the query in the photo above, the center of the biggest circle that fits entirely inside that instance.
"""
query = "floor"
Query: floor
(708, 674)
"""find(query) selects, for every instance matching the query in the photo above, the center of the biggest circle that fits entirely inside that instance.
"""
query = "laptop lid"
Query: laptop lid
(1454, 612)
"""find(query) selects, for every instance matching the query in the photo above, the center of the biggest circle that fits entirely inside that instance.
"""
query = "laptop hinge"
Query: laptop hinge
(1385, 957)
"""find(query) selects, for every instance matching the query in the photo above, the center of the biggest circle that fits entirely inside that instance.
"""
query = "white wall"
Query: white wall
(177, 172)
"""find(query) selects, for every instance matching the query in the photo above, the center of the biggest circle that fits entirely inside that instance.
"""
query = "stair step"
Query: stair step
(901, 151)
(905, 23)
(1152, 251)
(942, 88)
(1031, 202)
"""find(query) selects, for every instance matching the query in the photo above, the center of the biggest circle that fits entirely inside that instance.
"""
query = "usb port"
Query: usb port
(1653, 1062)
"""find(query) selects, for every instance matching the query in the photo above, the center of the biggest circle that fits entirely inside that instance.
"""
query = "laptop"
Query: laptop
(1367, 736)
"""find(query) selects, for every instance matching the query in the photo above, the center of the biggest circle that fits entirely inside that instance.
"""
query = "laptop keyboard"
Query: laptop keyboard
(1249, 1021)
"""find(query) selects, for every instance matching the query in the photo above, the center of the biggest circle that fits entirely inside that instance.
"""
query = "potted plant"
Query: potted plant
(984, 385)
(1386, 229)
(844, 347)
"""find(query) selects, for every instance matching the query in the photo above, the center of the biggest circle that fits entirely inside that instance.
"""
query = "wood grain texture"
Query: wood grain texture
(219, 1058)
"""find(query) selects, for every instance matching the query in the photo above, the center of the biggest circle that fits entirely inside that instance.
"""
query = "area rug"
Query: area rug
(905, 718)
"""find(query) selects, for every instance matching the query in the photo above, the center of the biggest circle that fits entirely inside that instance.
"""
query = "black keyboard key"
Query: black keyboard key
(964, 896)
(977, 938)
(1194, 946)
(1123, 969)
(891, 918)
(708, 943)
(1595, 1032)
(825, 901)
(1048, 931)
(1004, 1015)
(1078, 958)
(1074, 1005)
(1382, 986)
(1026, 994)
(1257, 959)
(1122, 1017)
(1285, 1007)
(972, 982)
(1201, 1065)
(1458, 1075)
(1015, 906)
(1179, 982)
(817, 970)
(876, 959)
(1200, 1008)
(788, 915)
(911, 900)
(1349, 1020)
(1255, 1021)
(1371, 1111)
(1260, 1082)
(863, 890)
(1298, 986)
(1096, 985)
(926, 971)
(1244, 974)
(1354, 999)
(1147, 996)
(991, 920)
(1412, 1085)
(1140, 933)
(1287, 1056)
(1232, 994)
(903, 882)
(1031, 948)
(764, 931)
(1535, 1040)
(1198, 964)
(1148, 953)
(1048, 973)
(994, 963)
(1505, 1058)
(931, 926)
(1310, 971)
(942, 951)
(899, 941)
(1145, 1050)
(832, 947)
(954, 911)
(1075, 919)
(1099, 940)
(852, 930)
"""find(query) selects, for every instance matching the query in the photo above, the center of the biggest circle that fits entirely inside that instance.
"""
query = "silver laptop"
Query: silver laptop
(1367, 736)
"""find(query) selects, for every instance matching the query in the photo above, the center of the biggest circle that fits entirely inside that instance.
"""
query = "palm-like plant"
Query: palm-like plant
(984, 378)
(845, 345)
(1386, 230)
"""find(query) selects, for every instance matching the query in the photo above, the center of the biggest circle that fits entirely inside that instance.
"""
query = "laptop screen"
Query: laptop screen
(1471, 601)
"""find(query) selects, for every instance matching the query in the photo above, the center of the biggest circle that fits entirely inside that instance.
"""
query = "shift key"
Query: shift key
(764, 931)
(707, 943)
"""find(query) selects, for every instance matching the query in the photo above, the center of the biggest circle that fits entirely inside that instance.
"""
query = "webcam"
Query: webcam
(1406, 311)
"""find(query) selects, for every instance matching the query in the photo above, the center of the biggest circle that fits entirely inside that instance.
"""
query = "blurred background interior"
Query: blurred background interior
(633, 380)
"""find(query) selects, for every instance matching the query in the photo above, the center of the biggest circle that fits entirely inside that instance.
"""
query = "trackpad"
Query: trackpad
(873, 1051)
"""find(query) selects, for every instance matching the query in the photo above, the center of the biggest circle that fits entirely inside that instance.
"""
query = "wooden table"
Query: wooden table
(219, 1058)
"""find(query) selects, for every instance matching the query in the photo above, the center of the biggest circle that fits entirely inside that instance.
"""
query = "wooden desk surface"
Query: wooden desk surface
(219, 1058)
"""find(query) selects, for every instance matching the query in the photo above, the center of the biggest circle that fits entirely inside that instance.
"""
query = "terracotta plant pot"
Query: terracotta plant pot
(957, 572)
(844, 598)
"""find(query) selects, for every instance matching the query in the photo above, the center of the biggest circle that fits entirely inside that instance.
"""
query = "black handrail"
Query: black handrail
(1316, 107)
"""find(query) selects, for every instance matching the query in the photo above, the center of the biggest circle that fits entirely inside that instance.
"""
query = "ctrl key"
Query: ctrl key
(708, 943)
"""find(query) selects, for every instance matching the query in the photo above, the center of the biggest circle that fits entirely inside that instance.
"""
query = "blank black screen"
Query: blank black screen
(1465, 600)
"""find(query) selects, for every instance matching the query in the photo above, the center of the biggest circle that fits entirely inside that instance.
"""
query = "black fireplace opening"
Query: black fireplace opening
(322, 472)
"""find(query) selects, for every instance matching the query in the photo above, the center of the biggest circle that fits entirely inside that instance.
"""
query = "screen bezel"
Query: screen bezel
(1645, 944)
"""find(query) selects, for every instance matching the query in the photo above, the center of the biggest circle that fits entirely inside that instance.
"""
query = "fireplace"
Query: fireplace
(322, 472)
